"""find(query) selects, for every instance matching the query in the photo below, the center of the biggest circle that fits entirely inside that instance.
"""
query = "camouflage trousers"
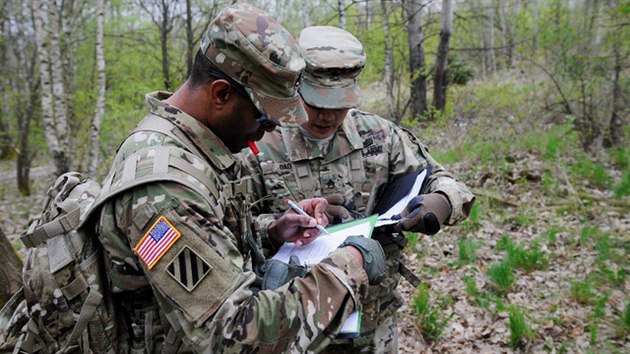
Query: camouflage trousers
(379, 331)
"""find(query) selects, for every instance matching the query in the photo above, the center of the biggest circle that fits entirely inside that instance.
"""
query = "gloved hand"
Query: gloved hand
(425, 213)
(374, 262)
(278, 273)
(337, 209)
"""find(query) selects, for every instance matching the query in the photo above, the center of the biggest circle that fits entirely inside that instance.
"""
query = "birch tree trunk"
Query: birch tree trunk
(100, 99)
(367, 15)
(305, 11)
(341, 7)
(10, 268)
(441, 60)
(55, 126)
(417, 70)
(57, 77)
(389, 62)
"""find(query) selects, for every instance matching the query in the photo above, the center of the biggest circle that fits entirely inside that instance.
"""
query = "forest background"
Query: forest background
(526, 101)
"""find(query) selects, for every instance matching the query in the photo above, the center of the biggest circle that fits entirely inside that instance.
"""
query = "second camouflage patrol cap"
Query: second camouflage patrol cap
(334, 58)
(255, 50)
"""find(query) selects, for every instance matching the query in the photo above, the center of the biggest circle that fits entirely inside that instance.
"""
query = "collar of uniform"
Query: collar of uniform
(346, 140)
(203, 138)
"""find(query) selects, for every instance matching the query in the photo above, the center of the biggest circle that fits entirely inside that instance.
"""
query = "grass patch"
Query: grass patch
(467, 251)
(625, 320)
(582, 291)
(502, 276)
(429, 317)
(520, 330)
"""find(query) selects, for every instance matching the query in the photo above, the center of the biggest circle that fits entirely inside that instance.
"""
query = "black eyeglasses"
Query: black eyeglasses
(265, 122)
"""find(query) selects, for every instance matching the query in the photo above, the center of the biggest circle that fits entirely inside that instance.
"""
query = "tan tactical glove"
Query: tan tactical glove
(374, 262)
(425, 213)
(337, 209)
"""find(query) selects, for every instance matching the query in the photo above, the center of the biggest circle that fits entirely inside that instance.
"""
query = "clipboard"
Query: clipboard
(319, 249)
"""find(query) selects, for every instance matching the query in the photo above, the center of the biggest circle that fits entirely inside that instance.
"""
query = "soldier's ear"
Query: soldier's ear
(220, 91)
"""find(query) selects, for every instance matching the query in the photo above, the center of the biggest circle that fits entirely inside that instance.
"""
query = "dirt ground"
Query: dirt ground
(559, 324)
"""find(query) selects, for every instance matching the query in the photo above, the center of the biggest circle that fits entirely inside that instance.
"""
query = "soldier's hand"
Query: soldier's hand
(293, 227)
(425, 213)
(374, 262)
(337, 209)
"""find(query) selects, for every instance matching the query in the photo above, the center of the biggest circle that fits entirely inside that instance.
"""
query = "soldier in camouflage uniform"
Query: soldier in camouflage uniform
(347, 156)
(182, 260)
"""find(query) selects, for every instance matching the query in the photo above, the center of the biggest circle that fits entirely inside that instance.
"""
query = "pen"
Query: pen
(302, 212)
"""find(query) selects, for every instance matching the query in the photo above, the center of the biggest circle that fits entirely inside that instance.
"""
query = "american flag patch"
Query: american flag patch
(156, 242)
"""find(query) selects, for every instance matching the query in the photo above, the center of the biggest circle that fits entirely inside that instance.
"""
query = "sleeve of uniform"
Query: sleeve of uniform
(408, 150)
(204, 285)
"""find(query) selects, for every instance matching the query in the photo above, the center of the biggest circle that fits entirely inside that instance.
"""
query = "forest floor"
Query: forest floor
(540, 266)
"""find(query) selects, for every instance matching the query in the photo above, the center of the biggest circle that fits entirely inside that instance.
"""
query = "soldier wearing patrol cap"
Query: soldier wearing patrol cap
(347, 156)
(184, 266)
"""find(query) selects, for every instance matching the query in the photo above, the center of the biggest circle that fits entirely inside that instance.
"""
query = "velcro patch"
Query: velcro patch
(157, 241)
(188, 268)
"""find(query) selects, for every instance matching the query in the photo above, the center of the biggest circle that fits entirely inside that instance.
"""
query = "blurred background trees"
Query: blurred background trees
(72, 87)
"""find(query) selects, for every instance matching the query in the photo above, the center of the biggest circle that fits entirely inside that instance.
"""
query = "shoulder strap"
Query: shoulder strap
(160, 164)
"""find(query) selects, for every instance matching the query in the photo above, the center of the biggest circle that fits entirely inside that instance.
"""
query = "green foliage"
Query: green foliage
(467, 251)
(593, 172)
(519, 329)
(473, 222)
(527, 259)
(582, 291)
(520, 257)
(625, 319)
(502, 276)
(481, 299)
(620, 158)
(429, 318)
(623, 188)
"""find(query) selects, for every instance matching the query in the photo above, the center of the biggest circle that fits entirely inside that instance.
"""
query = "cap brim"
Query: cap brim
(288, 112)
(330, 97)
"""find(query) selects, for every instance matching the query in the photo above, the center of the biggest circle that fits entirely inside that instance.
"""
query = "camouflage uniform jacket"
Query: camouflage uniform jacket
(199, 292)
(364, 155)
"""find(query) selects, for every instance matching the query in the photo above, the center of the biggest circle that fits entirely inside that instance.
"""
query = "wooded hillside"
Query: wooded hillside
(526, 101)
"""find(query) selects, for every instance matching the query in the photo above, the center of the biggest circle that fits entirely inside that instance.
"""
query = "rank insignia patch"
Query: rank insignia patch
(159, 239)
(188, 269)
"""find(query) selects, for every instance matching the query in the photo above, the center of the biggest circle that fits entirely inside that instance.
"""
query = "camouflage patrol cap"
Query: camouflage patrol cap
(334, 58)
(256, 51)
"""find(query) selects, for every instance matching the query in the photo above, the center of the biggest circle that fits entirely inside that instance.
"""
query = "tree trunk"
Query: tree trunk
(441, 60)
(535, 20)
(367, 15)
(389, 62)
(190, 39)
(417, 70)
(305, 11)
(10, 268)
(615, 129)
(504, 33)
(490, 52)
(58, 87)
(5, 135)
(54, 126)
(164, 48)
(100, 99)
(341, 7)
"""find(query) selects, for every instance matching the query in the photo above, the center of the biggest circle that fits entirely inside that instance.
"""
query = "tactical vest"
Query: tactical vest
(65, 305)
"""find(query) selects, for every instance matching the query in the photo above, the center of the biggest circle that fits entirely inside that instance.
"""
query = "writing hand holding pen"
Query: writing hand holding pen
(299, 210)
(300, 228)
